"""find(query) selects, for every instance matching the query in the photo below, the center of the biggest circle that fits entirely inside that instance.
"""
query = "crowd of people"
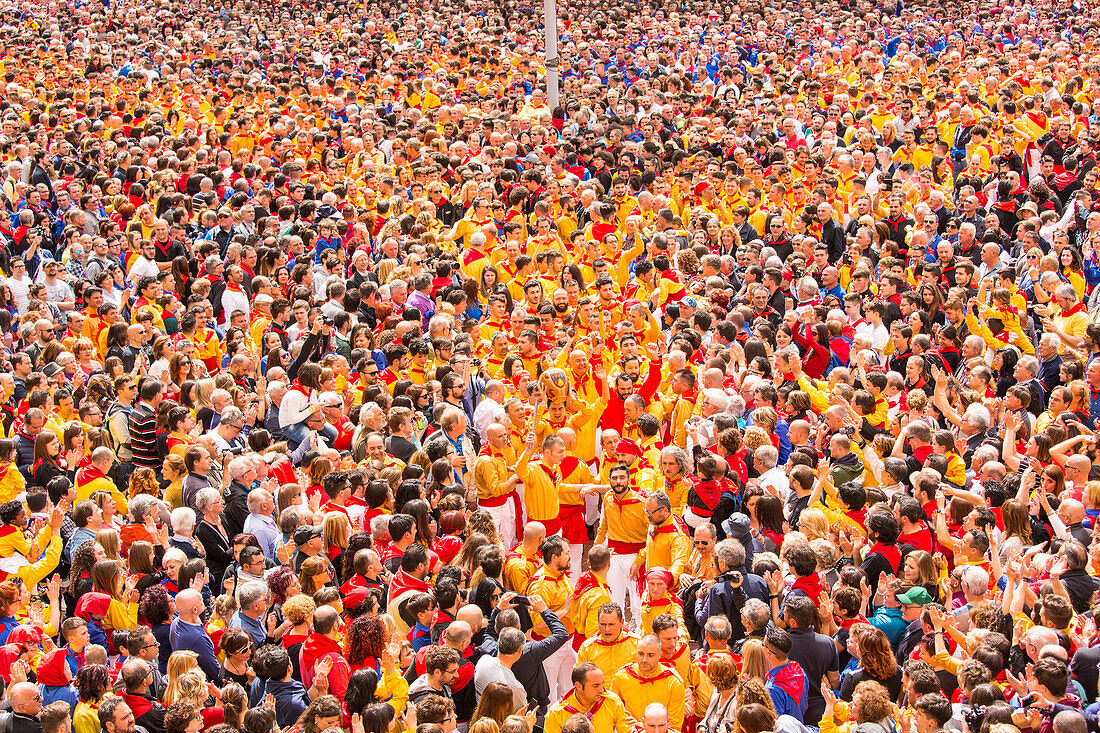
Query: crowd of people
(348, 385)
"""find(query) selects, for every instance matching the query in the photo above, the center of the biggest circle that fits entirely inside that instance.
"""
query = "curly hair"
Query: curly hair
(279, 581)
(93, 681)
(873, 702)
(481, 522)
(155, 605)
(83, 560)
(366, 638)
(298, 609)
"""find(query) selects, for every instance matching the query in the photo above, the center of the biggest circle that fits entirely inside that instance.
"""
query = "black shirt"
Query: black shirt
(817, 655)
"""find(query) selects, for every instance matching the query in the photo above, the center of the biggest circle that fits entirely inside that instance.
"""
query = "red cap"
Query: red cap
(700, 187)
(549, 150)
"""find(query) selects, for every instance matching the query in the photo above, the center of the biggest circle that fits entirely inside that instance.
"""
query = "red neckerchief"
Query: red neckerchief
(573, 709)
(585, 583)
(633, 672)
(890, 552)
(1077, 308)
(296, 386)
(810, 585)
(234, 287)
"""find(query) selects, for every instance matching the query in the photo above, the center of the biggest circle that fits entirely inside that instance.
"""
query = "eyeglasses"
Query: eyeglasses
(151, 646)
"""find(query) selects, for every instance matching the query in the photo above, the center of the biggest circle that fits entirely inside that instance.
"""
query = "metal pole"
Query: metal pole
(550, 25)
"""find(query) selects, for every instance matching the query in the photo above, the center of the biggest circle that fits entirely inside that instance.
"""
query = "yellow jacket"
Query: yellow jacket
(86, 489)
(692, 675)
(11, 482)
(585, 609)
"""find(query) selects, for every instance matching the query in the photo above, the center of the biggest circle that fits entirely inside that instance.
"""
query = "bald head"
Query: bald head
(568, 436)
(533, 533)
(471, 614)
(459, 634)
(25, 698)
(189, 604)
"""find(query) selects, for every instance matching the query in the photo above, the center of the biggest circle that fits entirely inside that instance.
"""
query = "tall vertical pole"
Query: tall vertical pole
(550, 25)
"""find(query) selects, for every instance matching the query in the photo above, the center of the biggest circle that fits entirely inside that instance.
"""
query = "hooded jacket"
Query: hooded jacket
(317, 647)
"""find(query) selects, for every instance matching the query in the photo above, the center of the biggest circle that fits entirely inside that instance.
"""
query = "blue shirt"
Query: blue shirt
(193, 637)
(253, 626)
(779, 683)
(889, 620)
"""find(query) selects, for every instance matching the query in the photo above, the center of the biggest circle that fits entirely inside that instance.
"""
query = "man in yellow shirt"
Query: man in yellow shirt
(496, 484)
(551, 583)
(604, 710)
(667, 545)
(614, 647)
(523, 561)
(590, 595)
(1070, 319)
(623, 527)
(646, 681)
(676, 654)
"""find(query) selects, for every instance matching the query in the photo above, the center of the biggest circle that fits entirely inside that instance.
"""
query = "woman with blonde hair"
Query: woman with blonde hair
(754, 660)
(335, 530)
(174, 470)
(919, 569)
(111, 542)
(814, 524)
(181, 661)
(481, 522)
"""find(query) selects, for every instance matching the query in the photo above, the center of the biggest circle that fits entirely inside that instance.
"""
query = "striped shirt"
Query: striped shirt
(143, 437)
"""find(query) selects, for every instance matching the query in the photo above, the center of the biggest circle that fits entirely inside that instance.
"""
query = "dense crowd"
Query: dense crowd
(347, 385)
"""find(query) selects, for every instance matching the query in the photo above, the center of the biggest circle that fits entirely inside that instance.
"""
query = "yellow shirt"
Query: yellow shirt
(609, 657)
(540, 489)
(519, 567)
(623, 521)
(693, 677)
(585, 610)
(637, 691)
(666, 547)
(610, 714)
(555, 588)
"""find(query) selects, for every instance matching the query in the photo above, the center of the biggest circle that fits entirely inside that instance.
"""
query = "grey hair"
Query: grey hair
(717, 398)
(730, 553)
(183, 518)
(250, 592)
(1030, 363)
(141, 505)
(757, 613)
(206, 497)
(978, 414)
(975, 580)
(718, 627)
(680, 455)
(232, 416)
(768, 455)
(661, 499)
(239, 466)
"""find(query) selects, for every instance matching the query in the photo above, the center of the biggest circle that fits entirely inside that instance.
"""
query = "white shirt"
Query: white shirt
(487, 411)
(20, 290)
(777, 479)
(233, 300)
(143, 267)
